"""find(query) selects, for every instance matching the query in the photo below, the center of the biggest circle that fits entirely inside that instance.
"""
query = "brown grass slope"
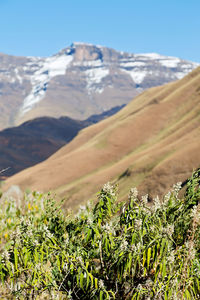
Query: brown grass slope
(34, 141)
(151, 143)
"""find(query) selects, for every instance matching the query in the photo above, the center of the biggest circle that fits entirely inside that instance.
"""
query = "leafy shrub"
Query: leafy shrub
(133, 250)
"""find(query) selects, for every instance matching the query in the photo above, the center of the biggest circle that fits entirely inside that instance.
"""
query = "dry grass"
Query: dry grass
(159, 128)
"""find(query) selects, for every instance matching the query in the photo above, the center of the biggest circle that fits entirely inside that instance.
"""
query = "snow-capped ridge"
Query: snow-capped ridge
(95, 63)
(49, 68)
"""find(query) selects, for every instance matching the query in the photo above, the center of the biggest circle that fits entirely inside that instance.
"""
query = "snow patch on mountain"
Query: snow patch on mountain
(92, 63)
(19, 78)
(136, 74)
(170, 62)
(140, 66)
(43, 72)
(151, 56)
(132, 64)
(88, 63)
(94, 76)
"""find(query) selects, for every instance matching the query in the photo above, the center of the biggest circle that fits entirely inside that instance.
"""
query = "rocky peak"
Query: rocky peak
(84, 52)
(80, 80)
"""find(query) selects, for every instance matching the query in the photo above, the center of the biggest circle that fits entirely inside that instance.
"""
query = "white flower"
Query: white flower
(89, 220)
(101, 284)
(144, 199)
(139, 287)
(38, 266)
(169, 229)
(108, 188)
(138, 224)
(123, 245)
(192, 254)
(167, 197)
(107, 228)
(157, 203)
(189, 245)
(133, 193)
(82, 207)
(133, 248)
(79, 259)
(149, 283)
(139, 246)
(30, 233)
(6, 255)
(65, 267)
(176, 188)
(171, 258)
(35, 243)
(194, 210)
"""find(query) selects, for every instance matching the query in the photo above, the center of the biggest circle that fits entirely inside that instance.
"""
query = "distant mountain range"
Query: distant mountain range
(151, 143)
(35, 140)
(79, 81)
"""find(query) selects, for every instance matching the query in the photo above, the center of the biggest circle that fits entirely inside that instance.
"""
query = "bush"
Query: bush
(107, 251)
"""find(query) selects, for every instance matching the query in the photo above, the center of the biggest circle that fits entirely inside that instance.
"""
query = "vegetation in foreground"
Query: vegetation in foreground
(107, 251)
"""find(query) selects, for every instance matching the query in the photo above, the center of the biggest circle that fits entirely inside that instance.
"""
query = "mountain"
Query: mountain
(151, 143)
(79, 81)
(34, 141)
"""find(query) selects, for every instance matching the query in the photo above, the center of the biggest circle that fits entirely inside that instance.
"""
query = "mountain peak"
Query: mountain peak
(80, 80)
(82, 44)
(83, 51)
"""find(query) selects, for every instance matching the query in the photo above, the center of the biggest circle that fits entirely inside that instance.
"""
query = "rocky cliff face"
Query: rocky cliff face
(79, 81)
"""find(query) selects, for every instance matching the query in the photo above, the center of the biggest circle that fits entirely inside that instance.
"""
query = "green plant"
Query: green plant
(134, 250)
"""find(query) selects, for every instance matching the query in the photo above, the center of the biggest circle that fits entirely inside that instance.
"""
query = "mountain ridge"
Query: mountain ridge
(144, 145)
(79, 81)
(35, 140)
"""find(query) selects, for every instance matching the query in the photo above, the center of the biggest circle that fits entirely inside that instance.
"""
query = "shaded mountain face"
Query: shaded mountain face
(34, 141)
(79, 81)
(151, 143)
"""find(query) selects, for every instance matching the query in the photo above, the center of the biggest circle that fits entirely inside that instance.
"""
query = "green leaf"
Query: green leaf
(16, 258)
(164, 270)
(144, 258)
(187, 293)
(91, 278)
(58, 263)
(96, 283)
(101, 295)
(87, 281)
(81, 281)
(148, 257)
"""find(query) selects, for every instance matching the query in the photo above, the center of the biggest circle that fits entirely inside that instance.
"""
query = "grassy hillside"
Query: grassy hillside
(130, 250)
(151, 143)
(35, 140)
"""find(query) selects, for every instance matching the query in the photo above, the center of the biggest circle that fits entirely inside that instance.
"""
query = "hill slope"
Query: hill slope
(34, 141)
(151, 143)
(79, 81)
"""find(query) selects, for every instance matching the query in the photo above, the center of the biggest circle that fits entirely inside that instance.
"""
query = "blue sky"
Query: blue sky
(42, 28)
